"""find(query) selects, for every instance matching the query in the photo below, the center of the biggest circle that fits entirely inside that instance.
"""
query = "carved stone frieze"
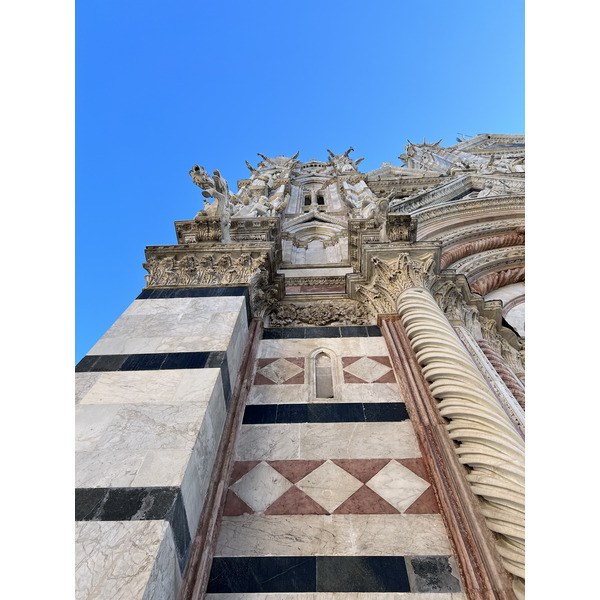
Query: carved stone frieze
(206, 265)
(315, 281)
(320, 313)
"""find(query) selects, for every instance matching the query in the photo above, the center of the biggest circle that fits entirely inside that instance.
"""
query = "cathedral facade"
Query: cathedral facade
(319, 390)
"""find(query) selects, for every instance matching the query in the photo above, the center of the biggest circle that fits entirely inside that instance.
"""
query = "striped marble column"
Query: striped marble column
(152, 401)
(487, 442)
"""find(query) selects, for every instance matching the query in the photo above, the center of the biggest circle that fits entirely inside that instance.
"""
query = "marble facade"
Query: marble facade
(319, 392)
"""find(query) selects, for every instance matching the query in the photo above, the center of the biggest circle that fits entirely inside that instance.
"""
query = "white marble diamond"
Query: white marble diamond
(367, 369)
(261, 486)
(397, 485)
(279, 371)
(329, 485)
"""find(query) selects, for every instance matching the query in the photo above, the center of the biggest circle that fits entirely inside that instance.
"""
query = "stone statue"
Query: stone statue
(214, 187)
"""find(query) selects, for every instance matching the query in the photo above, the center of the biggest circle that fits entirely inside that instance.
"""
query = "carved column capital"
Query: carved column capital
(392, 277)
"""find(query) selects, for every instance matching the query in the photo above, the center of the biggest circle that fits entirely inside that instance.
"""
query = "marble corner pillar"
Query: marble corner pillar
(197, 573)
(459, 421)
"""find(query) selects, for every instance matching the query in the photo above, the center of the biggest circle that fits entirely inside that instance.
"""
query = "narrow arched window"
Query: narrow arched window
(323, 376)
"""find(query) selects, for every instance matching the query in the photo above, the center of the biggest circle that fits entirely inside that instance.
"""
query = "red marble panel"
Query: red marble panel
(263, 362)
(299, 378)
(416, 465)
(234, 507)
(365, 502)
(361, 468)
(296, 360)
(349, 378)
(348, 360)
(425, 504)
(260, 379)
(389, 377)
(240, 468)
(295, 502)
(295, 470)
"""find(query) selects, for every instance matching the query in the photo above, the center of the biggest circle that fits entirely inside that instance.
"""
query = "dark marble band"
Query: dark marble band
(298, 574)
(159, 361)
(137, 504)
(279, 333)
(197, 292)
(345, 412)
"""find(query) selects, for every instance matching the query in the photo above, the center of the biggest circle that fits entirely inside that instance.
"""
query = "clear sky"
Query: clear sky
(161, 86)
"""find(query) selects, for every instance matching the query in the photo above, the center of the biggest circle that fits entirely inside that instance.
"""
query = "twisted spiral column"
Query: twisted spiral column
(487, 441)
(511, 381)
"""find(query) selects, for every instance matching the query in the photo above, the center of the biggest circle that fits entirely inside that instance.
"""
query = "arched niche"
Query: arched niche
(324, 375)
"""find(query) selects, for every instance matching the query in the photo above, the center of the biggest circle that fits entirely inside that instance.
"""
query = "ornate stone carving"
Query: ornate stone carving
(214, 187)
(201, 269)
(263, 294)
(489, 282)
(390, 279)
(341, 312)
(481, 245)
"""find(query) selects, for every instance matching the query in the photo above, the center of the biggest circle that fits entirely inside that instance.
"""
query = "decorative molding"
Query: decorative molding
(488, 282)
(470, 248)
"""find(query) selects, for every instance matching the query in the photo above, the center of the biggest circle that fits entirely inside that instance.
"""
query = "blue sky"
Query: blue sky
(163, 86)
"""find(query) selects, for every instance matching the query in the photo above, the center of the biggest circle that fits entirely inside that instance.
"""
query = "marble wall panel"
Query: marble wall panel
(196, 478)
(332, 535)
(152, 426)
(351, 392)
(115, 560)
(237, 344)
(165, 578)
(347, 346)
(83, 384)
(173, 325)
(327, 440)
(91, 422)
(278, 394)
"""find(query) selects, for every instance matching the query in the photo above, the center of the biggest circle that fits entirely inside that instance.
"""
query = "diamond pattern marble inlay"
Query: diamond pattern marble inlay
(398, 485)
(280, 370)
(261, 486)
(367, 369)
(329, 485)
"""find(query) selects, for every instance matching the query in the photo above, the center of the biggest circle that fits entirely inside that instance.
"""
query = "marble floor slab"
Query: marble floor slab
(333, 535)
